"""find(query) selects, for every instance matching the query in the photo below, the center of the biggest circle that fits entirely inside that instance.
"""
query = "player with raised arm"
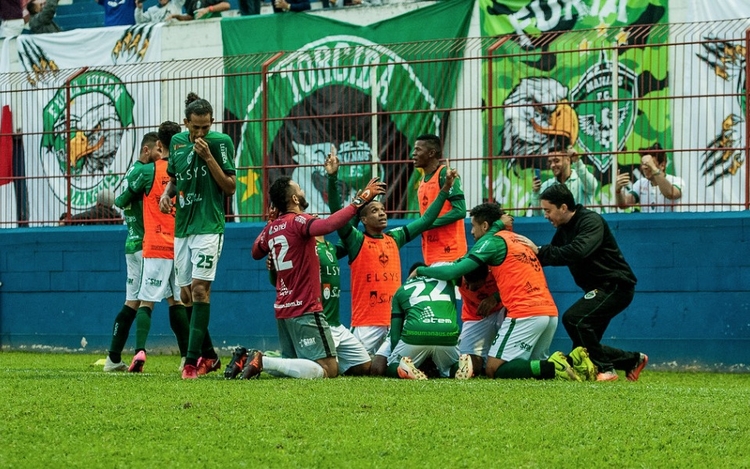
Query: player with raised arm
(307, 346)
(374, 257)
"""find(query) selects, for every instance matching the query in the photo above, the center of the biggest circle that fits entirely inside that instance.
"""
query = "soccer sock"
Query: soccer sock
(546, 370)
(178, 320)
(518, 369)
(142, 326)
(294, 367)
(120, 331)
(392, 370)
(198, 326)
(207, 349)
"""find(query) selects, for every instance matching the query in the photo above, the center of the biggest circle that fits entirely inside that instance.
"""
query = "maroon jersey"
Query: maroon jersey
(295, 257)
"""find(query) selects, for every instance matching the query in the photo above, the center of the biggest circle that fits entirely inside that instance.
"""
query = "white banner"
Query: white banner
(7, 190)
(91, 99)
(713, 123)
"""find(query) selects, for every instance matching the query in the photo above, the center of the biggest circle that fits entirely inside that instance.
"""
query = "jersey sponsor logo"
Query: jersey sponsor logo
(153, 282)
(379, 298)
(428, 317)
(382, 277)
(101, 137)
(291, 304)
(276, 228)
(383, 259)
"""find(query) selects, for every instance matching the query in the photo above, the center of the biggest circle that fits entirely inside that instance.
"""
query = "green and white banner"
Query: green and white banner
(554, 76)
(332, 86)
(71, 77)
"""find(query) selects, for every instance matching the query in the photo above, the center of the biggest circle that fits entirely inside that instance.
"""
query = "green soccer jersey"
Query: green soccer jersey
(138, 178)
(427, 309)
(330, 280)
(200, 200)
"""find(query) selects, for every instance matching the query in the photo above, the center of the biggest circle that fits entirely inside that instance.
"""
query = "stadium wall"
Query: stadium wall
(62, 287)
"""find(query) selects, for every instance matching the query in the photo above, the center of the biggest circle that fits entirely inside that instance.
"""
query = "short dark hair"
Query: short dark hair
(558, 194)
(149, 139)
(488, 212)
(656, 151)
(167, 130)
(560, 144)
(279, 192)
(416, 265)
(194, 104)
(433, 141)
(478, 274)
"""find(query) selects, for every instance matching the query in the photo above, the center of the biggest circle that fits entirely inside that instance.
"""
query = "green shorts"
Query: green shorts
(307, 336)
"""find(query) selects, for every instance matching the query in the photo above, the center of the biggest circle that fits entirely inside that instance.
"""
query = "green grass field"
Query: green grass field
(61, 411)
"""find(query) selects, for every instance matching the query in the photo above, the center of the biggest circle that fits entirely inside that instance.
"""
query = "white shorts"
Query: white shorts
(158, 281)
(525, 338)
(385, 348)
(197, 257)
(134, 263)
(444, 356)
(476, 336)
(372, 337)
(349, 351)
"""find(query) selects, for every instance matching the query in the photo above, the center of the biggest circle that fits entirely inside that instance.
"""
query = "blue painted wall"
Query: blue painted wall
(63, 286)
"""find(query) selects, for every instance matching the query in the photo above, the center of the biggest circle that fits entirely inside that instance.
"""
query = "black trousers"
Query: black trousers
(249, 7)
(589, 317)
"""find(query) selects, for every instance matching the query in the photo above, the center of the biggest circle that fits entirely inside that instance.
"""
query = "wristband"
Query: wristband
(656, 173)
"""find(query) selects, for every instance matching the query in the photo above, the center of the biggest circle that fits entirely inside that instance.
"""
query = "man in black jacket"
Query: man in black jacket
(585, 244)
(42, 14)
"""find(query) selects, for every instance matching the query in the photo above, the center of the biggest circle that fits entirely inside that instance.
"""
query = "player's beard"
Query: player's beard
(303, 203)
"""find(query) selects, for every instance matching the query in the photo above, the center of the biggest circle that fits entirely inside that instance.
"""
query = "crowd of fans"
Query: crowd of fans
(37, 16)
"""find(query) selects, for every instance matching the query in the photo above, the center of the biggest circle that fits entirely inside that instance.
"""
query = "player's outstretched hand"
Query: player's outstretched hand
(524, 240)
(374, 188)
(165, 203)
(450, 176)
(487, 306)
(331, 163)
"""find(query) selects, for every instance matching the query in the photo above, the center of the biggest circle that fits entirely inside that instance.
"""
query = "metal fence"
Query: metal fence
(682, 86)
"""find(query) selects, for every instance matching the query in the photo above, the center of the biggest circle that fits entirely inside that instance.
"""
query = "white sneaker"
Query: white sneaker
(407, 370)
(109, 365)
(465, 367)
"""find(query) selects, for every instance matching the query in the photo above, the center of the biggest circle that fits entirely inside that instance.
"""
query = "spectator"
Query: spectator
(656, 191)
(282, 6)
(41, 16)
(568, 169)
(249, 7)
(11, 18)
(103, 213)
(118, 12)
(201, 10)
(158, 13)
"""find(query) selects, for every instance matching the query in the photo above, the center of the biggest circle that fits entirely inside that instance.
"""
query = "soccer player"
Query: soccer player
(482, 314)
(585, 244)
(445, 241)
(158, 277)
(202, 175)
(351, 355)
(424, 323)
(521, 347)
(131, 202)
(307, 345)
(374, 257)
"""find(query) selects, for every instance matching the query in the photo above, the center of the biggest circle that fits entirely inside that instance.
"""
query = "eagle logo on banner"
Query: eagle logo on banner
(101, 131)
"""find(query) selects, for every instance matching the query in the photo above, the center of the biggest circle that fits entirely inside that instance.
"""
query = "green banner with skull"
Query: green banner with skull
(337, 84)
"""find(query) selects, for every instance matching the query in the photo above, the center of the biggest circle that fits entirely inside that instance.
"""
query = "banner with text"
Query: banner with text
(88, 111)
(337, 84)
(553, 76)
